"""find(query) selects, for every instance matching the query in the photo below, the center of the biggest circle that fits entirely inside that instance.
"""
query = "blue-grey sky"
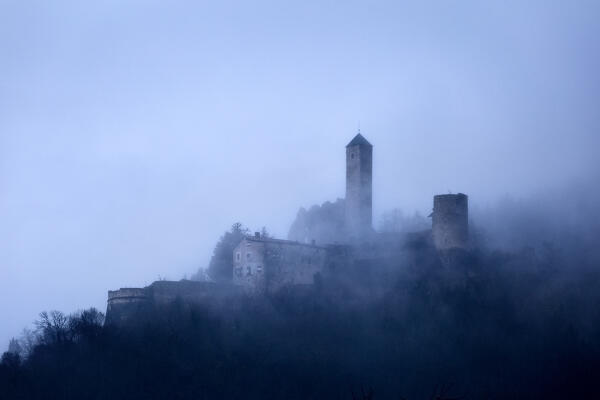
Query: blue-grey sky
(133, 133)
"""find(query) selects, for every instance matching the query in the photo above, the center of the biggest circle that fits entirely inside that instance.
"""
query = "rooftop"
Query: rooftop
(359, 140)
(279, 241)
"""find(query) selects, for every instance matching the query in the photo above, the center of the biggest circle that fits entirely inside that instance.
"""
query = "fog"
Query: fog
(132, 135)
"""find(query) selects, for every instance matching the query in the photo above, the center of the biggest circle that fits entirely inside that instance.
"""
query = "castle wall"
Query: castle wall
(292, 264)
(125, 303)
(450, 221)
(128, 306)
(192, 292)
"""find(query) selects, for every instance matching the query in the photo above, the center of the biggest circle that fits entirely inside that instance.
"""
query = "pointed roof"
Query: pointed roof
(359, 140)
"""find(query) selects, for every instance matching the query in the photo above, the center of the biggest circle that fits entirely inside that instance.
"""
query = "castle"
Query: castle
(262, 264)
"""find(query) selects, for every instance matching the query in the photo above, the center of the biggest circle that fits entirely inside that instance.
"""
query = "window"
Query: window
(238, 271)
(248, 256)
(259, 269)
(248, 271)
(238, 256)
(352, 156)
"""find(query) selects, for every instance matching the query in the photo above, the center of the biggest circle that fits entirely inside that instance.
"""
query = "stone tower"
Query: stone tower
(450, 221)
(359, 188)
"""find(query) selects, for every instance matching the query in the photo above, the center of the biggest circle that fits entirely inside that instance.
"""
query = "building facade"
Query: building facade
(266, 265)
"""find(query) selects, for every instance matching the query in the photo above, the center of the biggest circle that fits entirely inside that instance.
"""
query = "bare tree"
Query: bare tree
(53, 327)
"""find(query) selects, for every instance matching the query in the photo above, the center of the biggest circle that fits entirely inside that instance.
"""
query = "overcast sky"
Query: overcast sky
(133, 133)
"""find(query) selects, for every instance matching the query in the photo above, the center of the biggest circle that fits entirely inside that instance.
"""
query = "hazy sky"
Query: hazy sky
(133, 133)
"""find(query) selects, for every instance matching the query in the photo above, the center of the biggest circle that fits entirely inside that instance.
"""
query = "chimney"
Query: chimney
(257, 235)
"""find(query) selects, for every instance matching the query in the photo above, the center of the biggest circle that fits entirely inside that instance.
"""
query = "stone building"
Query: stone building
(450, 221)
(266, 265)
(359, 188)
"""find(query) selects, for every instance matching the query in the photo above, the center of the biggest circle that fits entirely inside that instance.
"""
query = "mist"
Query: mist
(133, 135)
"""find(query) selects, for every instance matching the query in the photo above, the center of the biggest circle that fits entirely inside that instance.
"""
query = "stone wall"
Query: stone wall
(135, 305)
(125, 304)
(450, 221)
(193, 292)
(292, 264)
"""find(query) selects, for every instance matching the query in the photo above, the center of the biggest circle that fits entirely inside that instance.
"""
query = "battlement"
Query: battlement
(125, 295)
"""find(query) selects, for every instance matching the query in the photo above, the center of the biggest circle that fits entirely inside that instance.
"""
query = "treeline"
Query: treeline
(479, 325)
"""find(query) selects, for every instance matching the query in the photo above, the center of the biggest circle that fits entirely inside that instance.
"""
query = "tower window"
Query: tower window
(248, 255)
(352, 156)
(238, 256)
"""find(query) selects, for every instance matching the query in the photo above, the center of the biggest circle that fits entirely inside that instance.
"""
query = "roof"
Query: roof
(280, 241)
(359, 140)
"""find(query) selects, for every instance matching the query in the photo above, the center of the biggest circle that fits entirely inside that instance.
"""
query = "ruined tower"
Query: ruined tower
(450, 221)
(359, 188)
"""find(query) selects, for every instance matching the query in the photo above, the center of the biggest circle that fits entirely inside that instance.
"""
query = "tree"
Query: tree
(396, 221)
(220, 268)
(87, 324)
(27, 341)
(324, 223)
(53, 327)
(15, 347)
(10, 360)
(201, 275)
(264, 233)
